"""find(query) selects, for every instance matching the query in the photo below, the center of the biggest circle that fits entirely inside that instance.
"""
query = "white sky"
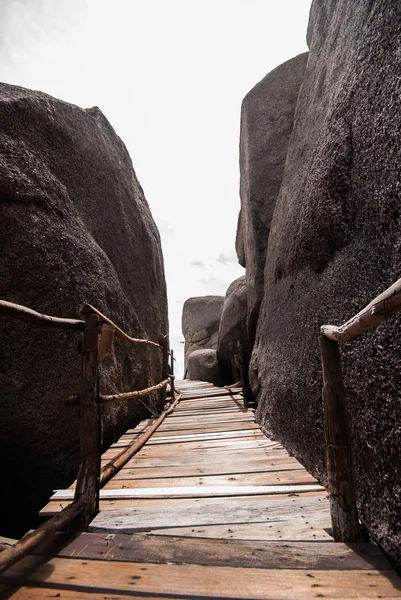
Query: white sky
(170, 76)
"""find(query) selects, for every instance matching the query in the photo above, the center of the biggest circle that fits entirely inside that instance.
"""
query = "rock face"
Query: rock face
(75, 228)
(233, 349)
(200, 323)
(203, 365)
(267, 118)
(334, 244)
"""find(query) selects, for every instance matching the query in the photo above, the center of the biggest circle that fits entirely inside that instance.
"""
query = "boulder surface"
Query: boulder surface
(75, 228)
(203, 365)
(334, 244)
(233, 349)
(267, 118)
(200, 323)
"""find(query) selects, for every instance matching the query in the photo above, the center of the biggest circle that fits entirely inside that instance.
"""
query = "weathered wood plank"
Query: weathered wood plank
(141, 547)
(205, 427)
(206, 502)
(195, 491)
(194, 437)
(300, 477)
(273, 531)
(82, 576)
(131, 520)
(205, 464)
(228, 468)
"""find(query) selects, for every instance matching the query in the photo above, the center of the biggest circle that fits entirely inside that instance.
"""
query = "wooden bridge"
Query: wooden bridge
(197, 502)
(208, 507)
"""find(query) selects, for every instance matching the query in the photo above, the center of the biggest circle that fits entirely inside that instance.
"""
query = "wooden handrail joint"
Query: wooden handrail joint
(381, 307)
(88, 309)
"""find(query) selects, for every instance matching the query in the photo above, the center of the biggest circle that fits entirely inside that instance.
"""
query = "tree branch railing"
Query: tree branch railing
(98, 337)
(344, 514)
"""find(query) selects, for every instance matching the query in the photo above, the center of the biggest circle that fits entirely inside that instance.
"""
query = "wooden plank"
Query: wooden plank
(205, 503)
(204, 464)
(273, 531)
(307, 510)
(207, 469)
(73, 593)
(231, 424)
(82, 576)
(195, 491)
(251, 449)
(216, 412)
(300, 477)
(193, 437)
(229, 445)
(234, 553)
(190, 422)
(226, 428)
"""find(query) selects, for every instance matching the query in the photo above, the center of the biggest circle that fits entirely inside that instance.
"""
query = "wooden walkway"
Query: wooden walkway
(208, 508)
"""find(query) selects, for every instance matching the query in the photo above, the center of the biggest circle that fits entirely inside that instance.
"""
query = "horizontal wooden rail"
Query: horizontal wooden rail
(124, 456)
(384, 305)
(32, 540)
(88, 308)
(74, 400)
(22, 313)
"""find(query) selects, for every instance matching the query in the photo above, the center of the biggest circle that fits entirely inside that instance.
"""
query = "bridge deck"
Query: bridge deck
(208, 508)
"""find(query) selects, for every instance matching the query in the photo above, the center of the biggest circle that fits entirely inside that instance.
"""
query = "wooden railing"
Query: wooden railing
(344, 515)
(98, 335)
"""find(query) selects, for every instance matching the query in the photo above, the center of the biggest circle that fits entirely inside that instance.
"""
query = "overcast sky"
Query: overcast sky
(170, 76)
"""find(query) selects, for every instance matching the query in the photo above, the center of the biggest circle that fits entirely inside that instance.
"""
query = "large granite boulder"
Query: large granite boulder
(267, 117)
(334, 244)
(203, 365)
(75, 228)
(200, 323)
(233, 348)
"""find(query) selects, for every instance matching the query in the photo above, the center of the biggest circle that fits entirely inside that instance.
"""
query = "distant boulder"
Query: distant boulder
(75, 228)
(233, 349)
(334, 244)
(267, 119)
(204, 366)
(200, 323)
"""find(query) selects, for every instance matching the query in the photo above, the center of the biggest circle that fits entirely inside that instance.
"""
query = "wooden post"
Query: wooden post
(164, 343)
(235, 374)
(87, 487)
(243, 374)
(344, 516)
(172, 375)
